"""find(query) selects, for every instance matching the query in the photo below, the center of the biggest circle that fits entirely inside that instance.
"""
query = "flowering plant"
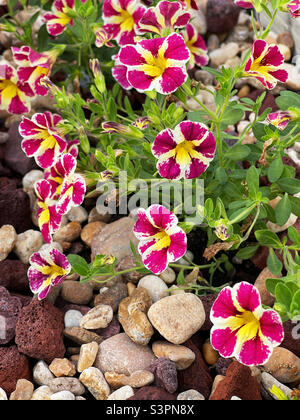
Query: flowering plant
(121, 75)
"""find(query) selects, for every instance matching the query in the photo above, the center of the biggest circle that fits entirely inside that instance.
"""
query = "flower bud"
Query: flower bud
(112, 127)
(98, 75)
(223, 229)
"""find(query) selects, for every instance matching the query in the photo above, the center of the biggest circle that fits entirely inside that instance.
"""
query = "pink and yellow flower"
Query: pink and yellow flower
(165, 16)
(42, 139)
(294, 8)
(184, 152)
(264, 64)
(67, 186)
(190, 4)
(48, 269)
(242, 328)
(119, 72)
(162, 241)
(103, 38)
(48, 217)
(33, 67)
(15, 96)
(58, 20)
(121, 19)
(281, 119)
(245, 4)
(156, 64)
(142, 123)
(196, 45)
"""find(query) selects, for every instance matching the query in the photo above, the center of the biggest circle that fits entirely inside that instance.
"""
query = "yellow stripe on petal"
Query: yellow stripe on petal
(163, 241)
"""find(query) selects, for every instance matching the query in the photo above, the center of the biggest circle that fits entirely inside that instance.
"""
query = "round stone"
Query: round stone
(73, 318)
(156, 287)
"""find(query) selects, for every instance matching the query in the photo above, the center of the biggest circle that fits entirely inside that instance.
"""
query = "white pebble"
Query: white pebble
(122, 394)
(78, 214)
(27, 244)
(168, 276)
(73, 318)
(156, 287)
(31, 178)
(42, 374)
(3, 396)
(63, 396)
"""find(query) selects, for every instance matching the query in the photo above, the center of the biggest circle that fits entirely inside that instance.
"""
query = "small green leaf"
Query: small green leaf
(289, 185)
(247, 253)
(238, 152)
(283, 210)
(271, 285)
(295, 305)
(274, 263)
(79, 265)
(283, 296)
(180, 277)
(275, 170)
(267, 238)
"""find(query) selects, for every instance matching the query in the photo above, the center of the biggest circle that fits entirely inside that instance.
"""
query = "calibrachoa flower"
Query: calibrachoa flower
(166, 15)
(196, 45)
(48, 269)
(189, 4)
(67, 186)
(245, 4)
(242, 328)
(34, 66)
(121, 19)
(48, 217)
(294, 8)
(156, 64)
(142, 123)
(162, 241)
(281, 119)
(58, 20)
(103, 38)
(264, 64)
(222, 229)
(184, 152)
(15, 96)
(42, 139)
(119, 72)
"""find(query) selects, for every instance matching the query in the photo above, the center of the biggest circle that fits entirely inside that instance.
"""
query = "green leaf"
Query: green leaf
(247, 253)
(275, 170)
(180, 277)
(288, 98)
(238, 152)
(283, 296)
(252, 179)
(289, 185)
(283, 210)
(295, 203)
(295, 305)
(232, 115)
(267, 238)
(274, 263)
(271, 285)
(79, 265)
(294, 235)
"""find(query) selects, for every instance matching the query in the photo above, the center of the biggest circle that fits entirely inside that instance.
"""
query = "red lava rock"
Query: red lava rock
(197, 376)
(9, 310)
(112, 329)
(221, 16)
(25, 300)
(165, 374)
(291, 337)
(13, 366)
(152, 393)
(14, 276)
(8, 184)
(39, 331)
(15, 210)
(14, 156)
(239, 382)
(208, 301)
(222, 365)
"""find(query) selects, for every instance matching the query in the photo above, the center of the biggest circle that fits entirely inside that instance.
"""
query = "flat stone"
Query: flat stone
(78, 214)
(3, 396)
(177, 317)
(90, 231)
(43, 393)
(76, 292)
(121, 394)
(95, 382)
(137, 379)
(98, 317)
(82, 336)
(68, 233)
(181, 355)
(268, 381)
(63, 396)
(121, 355)
(72, 385)
(284, 366)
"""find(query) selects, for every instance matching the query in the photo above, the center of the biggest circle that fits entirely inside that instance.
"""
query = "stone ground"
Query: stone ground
(137, 338)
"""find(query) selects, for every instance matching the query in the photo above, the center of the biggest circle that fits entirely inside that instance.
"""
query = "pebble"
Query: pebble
(23, 392)
(268, 381)
(41, 373)
(286, 39)
(188, 255)
(43, 393)
(87, 355)
(90, 231)
(121, 355)
(62, 367)
(204, 77)
(137, 379)
(8, 238)
(68, 233)
(165, 374)
(27, 244)
(31, 178)
(260, 283)
(121, 394)
(209, 353)
(126, 263)
(98, 317)
(285, 51)
(78, 214)
(95, 382)
(99, 214)
(48, 247)
(72, 318)
(76, 292)
(284, 366)
(3, 396)
(155, 286)
(82, 336)
(72, 385)
(63, 396)
(191, 395)
(181, 355)
(112, 295)
(221, 55)
(132, 316)
(177, 317)
(293, 81)
(175, 290)
(168, 276)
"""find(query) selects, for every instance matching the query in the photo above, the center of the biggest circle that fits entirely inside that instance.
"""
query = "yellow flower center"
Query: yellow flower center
(52, 272)
(49, 142)
(155, 66)
(163, 240)
(8, 91)
(184, 152)
(126, 20)
(249, 326)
